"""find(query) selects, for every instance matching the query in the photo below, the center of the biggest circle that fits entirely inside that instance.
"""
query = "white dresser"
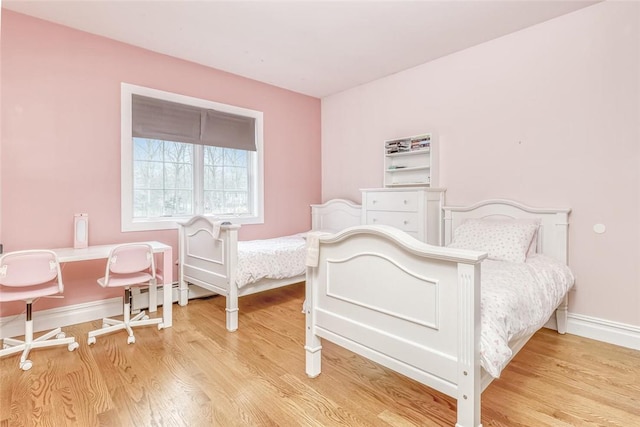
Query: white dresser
(417, 211)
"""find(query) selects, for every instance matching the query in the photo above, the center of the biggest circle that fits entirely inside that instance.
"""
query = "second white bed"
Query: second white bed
(212, 258)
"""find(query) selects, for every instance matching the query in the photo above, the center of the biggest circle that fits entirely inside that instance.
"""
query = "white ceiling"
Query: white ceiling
(316, 48)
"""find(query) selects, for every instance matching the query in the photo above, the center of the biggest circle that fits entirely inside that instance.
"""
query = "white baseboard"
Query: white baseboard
(13, 326)
(140, 298)
(601, 330)
(43, 320)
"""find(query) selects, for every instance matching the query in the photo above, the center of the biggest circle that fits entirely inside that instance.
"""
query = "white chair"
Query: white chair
(129, 265)
(27, 276)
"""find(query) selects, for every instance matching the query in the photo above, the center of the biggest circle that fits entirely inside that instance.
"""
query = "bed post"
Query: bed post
(562, 231)
(562, 315)
(313, 345)
(183, 288)
(469, 373)
(231, 256)
(447, 225)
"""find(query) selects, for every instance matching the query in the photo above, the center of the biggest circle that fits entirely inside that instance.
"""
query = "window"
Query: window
(183, 156)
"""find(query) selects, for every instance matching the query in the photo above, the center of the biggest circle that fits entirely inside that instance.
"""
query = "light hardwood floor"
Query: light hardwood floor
(198, 374)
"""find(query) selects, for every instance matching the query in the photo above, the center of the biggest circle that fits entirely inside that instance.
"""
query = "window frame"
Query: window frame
(256, 172)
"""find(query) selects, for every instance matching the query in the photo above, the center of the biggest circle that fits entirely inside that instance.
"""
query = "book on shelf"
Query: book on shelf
(421, 142)
(405, 145)
(398, 146)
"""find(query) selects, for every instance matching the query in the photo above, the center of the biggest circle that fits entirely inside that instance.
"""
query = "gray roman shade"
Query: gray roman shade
(170, 121)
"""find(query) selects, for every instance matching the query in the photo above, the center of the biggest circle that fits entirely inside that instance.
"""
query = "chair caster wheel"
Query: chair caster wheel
(160, 326)
(5, 346)
(131, 340)
(26, 365)
(60, 335)
(73, 346)
(145, 317)
(91, 340)
(105, 325)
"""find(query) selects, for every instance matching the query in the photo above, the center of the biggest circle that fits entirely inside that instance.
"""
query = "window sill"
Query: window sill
(172, 223)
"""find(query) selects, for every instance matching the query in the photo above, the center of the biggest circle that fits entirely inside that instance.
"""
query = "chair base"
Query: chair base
(113, 325)
(11, 345)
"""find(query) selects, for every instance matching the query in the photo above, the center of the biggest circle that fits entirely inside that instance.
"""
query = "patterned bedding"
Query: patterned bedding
(517, 299)
(277, 258)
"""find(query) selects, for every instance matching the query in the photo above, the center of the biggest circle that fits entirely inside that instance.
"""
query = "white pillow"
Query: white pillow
(502, 239)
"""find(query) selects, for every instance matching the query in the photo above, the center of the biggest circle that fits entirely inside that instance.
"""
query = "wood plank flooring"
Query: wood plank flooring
(198, 374)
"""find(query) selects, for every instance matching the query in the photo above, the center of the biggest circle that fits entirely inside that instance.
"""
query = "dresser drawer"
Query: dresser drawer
(405, 221)
(403, 201)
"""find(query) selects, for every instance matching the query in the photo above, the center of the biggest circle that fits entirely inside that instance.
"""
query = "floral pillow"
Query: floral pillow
(502, 239)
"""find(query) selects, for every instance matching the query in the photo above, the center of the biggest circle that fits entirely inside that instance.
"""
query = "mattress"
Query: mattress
(277, 258)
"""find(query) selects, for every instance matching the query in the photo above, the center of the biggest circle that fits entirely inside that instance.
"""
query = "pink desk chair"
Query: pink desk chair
(26, 276)
(128, 265)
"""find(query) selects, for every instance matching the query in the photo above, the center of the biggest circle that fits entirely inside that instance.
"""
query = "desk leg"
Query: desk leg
(167, 304)
(153, 298)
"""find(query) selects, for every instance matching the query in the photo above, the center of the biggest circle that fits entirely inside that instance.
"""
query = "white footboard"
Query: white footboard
(208, 258)
(412, 307)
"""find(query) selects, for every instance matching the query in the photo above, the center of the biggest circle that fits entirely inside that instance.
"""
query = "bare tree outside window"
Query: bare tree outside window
(164, 175)
(226, 181)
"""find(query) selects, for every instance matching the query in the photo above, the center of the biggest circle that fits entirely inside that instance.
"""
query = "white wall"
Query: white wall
(548, 116)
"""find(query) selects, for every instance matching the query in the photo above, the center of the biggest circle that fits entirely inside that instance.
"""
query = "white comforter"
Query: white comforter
(517, 299)
(278, 258)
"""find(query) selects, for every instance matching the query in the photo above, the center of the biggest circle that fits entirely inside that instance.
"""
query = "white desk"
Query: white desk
(103, 251)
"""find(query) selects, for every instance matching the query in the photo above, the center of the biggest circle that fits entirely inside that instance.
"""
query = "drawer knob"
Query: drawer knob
(405, 202)
(406, 222)
(374, 219)
(374, 201)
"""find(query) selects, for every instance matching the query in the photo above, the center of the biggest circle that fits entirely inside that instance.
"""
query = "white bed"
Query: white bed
(212, 258)
(416, 308)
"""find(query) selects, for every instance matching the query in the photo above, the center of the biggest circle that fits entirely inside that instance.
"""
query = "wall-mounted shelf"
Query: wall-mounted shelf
(408, 162)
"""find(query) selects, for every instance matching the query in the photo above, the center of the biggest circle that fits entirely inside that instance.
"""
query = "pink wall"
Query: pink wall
(61, 141)
(548, 116)
(0, 127)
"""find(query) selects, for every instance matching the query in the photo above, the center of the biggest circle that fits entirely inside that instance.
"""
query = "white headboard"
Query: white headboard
(335, 215)
(552, 234)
